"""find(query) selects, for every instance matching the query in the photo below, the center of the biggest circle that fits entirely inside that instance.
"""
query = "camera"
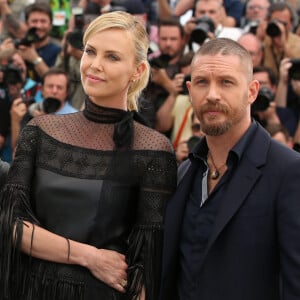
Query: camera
(11, 74)
(30, 37)
(264, 98)
(204, 25)
(75, 39)
(192, 142)
(185, 90)
(160, 62)
(252, 27)
(48, 105)
(294, 70)
(273, 29)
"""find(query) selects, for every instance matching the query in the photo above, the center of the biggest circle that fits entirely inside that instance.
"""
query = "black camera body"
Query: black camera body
(30, 37)
(160, 62)
(75, 39)
(273, 29)
(264, 98)
(204, 25)
(48, 106)
(294, 70)
(252, 26)
(11, 74)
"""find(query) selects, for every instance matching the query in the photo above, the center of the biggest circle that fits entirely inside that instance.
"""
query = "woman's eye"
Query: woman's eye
(89, 51)
(113, 57)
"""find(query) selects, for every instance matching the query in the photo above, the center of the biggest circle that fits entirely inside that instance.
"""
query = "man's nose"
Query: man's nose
(213, 93)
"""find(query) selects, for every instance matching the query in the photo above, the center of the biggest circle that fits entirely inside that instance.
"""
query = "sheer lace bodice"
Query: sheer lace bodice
(94, 129)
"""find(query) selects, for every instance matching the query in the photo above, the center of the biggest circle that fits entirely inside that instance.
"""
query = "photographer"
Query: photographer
(14, 84)
(171, 43)
(280, 41)
(69, 60)
(265, 108)
(288, 93)
(207, 23)
(36, 47)
(54, 90)
(175, 113)
(186, 146)
(255, 18)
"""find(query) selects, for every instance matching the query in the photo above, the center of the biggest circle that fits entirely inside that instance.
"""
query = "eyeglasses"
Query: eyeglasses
(196, 127)
(259, 7)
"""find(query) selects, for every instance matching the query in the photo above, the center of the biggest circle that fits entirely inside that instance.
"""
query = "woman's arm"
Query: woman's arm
(106, 265)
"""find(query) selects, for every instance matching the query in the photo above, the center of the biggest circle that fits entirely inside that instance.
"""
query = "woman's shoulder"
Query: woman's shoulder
(147, 138)
(53, 119)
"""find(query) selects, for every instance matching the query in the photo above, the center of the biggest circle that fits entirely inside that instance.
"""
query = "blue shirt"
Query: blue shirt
(66, 109)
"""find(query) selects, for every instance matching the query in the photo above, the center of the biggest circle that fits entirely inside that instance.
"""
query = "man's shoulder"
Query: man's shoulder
(233, 33)
(293, 42)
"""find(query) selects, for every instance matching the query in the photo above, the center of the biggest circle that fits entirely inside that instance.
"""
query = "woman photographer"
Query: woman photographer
(86, 192)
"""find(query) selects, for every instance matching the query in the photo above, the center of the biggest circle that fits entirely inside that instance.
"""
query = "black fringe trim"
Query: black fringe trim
(144, 260)
(22, 276)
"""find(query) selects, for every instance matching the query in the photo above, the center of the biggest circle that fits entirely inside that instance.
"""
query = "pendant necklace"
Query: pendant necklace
(216, 173)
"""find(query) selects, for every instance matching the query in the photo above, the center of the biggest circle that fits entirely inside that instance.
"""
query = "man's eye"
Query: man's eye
(201, 81)
(227, 82)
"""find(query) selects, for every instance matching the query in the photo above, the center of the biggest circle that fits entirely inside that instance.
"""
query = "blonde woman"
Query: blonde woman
(86, 193)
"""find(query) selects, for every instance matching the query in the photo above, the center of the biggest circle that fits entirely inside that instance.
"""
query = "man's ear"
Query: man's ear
(253, 91)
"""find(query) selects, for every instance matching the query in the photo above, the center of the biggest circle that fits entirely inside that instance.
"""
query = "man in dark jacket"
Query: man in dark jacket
(232, 227)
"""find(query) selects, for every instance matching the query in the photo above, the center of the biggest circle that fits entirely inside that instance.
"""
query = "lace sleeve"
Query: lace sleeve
(145, 241)
(15, 207)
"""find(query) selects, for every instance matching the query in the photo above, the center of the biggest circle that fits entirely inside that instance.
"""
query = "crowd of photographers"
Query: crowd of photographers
(267, 29)
(41, 38)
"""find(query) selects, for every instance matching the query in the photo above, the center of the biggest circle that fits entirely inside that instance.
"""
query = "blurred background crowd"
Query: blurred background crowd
(41, 47)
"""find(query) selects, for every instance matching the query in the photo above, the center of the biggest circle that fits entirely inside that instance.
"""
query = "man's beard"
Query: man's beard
(217, 128)
(43, 37)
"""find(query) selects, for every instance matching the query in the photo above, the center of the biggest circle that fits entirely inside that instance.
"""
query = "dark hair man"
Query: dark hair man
(232, 227)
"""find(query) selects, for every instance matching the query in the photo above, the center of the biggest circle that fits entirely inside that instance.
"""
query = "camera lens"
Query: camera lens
(264, 98)
(294, 70)
(203, 27)
(273, 30)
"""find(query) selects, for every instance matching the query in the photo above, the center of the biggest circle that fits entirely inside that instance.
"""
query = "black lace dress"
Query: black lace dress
(98, 177)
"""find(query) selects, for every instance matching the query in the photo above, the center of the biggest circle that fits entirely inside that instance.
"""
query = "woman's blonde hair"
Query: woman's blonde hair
(128, 22)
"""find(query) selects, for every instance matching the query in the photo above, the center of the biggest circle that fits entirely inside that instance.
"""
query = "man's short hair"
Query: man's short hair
(38, 7)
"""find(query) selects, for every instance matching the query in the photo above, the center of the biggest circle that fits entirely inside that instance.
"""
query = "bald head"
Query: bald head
(254, 46)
